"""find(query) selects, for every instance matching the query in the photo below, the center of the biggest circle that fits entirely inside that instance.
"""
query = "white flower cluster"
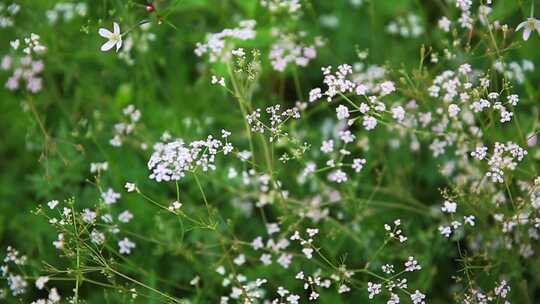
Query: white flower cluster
(395, 232)
(289, 6)
(125, 128)
(288, 50)
(32, 45)
(337, 83)
(99, 167)
(499, 294)
(504, 157)
(285, 296)
(502, 289)
(412, 265)
(275, 121)
(241, 288)
(306, 243)
(450, 207)
(373, 289)
(218, 80)
(171, 161)
(25, 68)
(17, 284)
(369, 76)
(369, 86)
(465, 94)
(409, 26)
(249, 290)
(91, 218)
(454, 85)
(13, 256)
(317, 208)
(215, 43)
(418, 298)
(396, 281)
(312, 283)
(336, 159)
(465, 20)
(273, 248)
(54, 297)
(8, 13)
(523, 221)
(514, 70)
(66, 11)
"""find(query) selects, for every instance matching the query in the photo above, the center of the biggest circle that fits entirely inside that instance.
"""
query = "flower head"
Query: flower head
(529, 25)
(115, 38)
(125, 246)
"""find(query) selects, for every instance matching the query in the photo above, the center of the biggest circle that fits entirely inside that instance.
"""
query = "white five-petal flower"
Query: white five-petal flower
(115, 38)
(529, 25)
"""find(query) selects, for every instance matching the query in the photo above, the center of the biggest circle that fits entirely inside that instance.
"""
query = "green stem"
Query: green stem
(144, 285)
(239, 96)
(203, 195)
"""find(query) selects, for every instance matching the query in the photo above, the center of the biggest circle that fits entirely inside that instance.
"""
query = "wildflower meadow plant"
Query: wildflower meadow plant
(270, 151)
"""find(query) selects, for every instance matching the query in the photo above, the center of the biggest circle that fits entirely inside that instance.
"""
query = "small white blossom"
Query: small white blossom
(369, 122)
(220, 80)
(449, 207)
(315, 94)
(110, 197)
(41, 281)
(529, 25)
(444, 24)
(52, 204)
(387, 87)
(412, 265)
(114, 38)
(342, 112)
(89, 216)
(130, 187)
(125, 217)
(327, 146)
(126, 246)
(373, 289)
(358, 164)
(418, 298)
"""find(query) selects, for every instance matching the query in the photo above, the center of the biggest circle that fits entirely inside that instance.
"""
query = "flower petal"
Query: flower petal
(107, 45)
(527, 33)
(118, 45)
(103, 32)
(116, 28)
(521, 25)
